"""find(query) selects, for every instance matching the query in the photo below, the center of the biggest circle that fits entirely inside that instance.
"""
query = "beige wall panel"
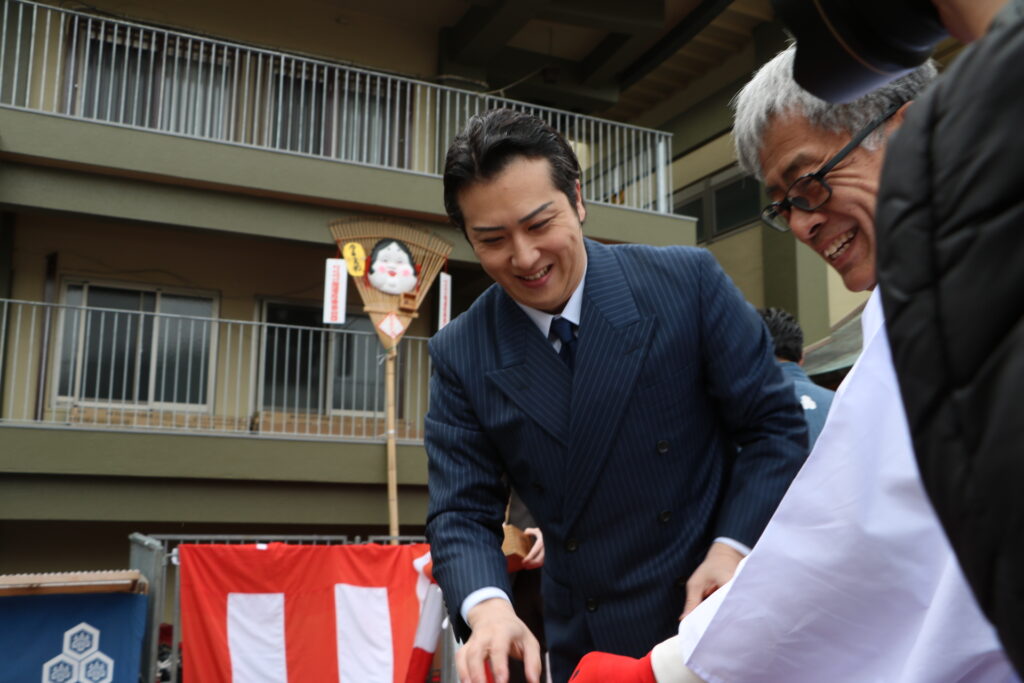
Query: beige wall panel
(238, 271)
(96, 452)
(741, 258)
(53, 140)
(703, 161)
(148, 500)
(841, 301)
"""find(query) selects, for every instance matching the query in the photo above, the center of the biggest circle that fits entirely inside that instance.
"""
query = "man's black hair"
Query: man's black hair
(493, 139)
(786, 333)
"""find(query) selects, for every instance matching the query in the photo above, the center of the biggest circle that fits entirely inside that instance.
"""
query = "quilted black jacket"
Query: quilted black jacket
(951, 266)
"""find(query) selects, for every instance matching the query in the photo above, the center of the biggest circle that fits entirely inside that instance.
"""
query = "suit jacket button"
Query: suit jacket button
(663, 447)
(591, 605)
(664, 516)
(572, 545)
(681, 582)
(538, 487)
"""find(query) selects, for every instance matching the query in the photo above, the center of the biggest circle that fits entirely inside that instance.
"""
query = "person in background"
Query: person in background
(788, 337)
(525, 582)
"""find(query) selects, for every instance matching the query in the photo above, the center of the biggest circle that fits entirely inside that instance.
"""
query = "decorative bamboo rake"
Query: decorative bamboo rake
(429, 252)
(391, 313)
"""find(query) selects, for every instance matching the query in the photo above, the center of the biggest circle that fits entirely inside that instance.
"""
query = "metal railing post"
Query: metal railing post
(147, 555)
(664, 181)
(381, 122)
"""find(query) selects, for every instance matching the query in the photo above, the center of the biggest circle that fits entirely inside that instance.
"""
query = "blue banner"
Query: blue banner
(72, 638)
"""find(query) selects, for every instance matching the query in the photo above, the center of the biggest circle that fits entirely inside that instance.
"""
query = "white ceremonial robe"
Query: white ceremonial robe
(853, 580)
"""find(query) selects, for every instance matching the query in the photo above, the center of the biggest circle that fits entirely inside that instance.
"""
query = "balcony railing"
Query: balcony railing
(89, 67)
(115, 369)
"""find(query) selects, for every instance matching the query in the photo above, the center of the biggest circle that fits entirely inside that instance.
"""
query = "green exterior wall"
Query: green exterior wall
(61, 164)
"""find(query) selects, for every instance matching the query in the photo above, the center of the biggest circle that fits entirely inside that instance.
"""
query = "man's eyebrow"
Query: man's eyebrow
(535, 212)
(491, 228)
(798, 162)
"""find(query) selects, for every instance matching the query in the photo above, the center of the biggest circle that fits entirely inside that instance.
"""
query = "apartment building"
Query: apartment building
(167, 175)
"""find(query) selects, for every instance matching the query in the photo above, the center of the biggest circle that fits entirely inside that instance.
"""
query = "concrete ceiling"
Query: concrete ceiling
(608, 57)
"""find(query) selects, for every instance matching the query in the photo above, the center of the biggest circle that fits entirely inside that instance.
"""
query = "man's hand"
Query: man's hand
(602, 667)
(497, 633)
(534, 558)
(713, 573)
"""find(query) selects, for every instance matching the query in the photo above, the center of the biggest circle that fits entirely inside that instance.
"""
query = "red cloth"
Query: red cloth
(602, 667)
(428, 632)
(312, 613)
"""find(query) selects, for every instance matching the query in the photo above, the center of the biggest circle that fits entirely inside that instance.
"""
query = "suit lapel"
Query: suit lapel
(613, 343)
(531, 374)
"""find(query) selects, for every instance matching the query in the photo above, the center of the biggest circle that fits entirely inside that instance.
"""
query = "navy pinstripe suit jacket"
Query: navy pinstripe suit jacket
(675, 428)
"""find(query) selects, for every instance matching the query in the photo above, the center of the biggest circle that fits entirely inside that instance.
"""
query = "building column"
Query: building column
(6, 254)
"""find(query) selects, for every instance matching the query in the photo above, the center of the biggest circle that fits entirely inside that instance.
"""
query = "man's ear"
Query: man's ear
(581, 209)
(897, 119)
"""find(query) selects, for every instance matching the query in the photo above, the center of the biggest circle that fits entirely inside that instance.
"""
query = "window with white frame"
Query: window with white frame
(309, 367)
(125, 345)
(141, 77)
(721, 203)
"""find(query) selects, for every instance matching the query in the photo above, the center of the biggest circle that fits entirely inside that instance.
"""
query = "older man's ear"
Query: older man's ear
(897, 119)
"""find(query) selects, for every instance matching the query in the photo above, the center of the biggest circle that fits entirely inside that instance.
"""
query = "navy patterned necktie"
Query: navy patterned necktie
(566, 333)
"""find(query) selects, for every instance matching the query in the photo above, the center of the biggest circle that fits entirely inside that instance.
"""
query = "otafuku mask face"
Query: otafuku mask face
(847, 48)
(391, 270)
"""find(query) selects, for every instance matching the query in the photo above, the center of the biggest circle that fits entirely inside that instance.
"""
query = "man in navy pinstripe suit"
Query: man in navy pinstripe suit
(627, 393)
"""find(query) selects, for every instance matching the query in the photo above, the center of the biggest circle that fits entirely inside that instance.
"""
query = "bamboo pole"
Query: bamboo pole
(389, 380)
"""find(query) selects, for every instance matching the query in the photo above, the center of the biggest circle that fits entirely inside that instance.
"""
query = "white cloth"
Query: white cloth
(853, 580)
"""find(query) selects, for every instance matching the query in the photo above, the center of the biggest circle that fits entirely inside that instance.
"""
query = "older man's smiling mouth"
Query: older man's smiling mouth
(839, 245)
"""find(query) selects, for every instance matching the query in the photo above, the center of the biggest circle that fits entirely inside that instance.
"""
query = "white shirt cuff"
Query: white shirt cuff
(735, 545)
(478, 596)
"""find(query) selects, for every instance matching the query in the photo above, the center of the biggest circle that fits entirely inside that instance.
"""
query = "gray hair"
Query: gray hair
(773, 92)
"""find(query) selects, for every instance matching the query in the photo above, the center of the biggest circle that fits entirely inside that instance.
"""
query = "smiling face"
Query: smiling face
(527, 235)
(391, 271)
(842, 231)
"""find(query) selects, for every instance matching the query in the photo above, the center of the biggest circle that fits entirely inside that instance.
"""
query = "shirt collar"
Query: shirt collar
(571, 312)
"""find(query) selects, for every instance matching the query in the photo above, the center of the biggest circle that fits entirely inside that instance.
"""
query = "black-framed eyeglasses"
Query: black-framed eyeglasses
(810, 192)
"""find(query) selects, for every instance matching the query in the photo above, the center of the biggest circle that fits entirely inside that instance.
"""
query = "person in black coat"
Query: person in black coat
(950, 223)
(951, 266)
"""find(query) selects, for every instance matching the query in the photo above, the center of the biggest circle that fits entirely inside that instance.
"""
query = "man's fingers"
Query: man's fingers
(471, 664)
(531, 663)
(498, 657)
(694, 596)
(461, 664)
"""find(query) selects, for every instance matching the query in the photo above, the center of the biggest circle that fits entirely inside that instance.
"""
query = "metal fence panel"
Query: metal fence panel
(70, 63)
(132, 360)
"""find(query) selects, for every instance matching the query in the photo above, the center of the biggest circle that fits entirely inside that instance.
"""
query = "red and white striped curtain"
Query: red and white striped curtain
(278, 613)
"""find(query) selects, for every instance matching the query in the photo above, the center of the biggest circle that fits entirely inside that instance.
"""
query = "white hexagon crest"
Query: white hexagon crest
(60, 669)
(81, 641)
(96, 668)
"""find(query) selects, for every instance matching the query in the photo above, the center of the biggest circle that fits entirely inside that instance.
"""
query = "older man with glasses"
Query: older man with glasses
(853, 579)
